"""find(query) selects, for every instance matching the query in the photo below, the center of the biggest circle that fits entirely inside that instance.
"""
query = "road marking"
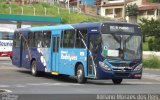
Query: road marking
(53, 84)
(151, 76)
(136, 83)
(4, 86)
(19, 85)
(140, 83)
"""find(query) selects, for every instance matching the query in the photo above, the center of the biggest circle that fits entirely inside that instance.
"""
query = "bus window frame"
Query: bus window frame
(36, 43)
(32, 44)
(80, 38)
(56, 43)
(43, 39)
(62, 39)
(17, 39)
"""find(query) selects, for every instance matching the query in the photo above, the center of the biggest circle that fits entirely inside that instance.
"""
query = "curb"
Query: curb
(151, 69)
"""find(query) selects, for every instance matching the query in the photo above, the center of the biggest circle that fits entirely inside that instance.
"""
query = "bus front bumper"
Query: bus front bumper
(103, 74)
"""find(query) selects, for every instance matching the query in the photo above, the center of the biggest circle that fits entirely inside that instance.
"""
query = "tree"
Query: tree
(151, 28)
(155, 1)
(132, 12)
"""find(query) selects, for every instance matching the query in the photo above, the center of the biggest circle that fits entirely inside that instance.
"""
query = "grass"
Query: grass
(52, 10)
(145, 46)
(152, 62)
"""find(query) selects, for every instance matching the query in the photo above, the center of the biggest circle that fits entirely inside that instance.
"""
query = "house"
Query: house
(148, 10)
(112, 8)
(115, 8)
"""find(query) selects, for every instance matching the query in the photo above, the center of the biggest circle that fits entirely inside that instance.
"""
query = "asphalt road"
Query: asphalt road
(20, 81)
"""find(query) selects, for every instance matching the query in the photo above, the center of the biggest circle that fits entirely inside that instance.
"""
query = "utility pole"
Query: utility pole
(68, 4)
(78, 4)
(124, 16)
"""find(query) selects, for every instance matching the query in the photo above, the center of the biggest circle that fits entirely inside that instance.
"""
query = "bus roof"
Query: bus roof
(46, 28)
(97, 24)
(3, 29)
(72, 26)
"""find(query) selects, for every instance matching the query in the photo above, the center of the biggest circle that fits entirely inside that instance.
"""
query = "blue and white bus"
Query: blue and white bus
(93, 50)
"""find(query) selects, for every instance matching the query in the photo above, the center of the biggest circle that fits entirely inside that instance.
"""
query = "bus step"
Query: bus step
(54, 73)
(91, 76)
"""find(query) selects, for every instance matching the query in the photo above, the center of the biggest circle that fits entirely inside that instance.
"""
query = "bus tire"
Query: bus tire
(80, 74)
(117, 81)
(34, 68)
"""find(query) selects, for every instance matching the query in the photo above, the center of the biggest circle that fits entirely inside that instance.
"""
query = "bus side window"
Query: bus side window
(62, 39)
(17, 39)
(68, 38)
(81, 35)
(31, 41)
(56, 44)
(38, 39)
(46, 39)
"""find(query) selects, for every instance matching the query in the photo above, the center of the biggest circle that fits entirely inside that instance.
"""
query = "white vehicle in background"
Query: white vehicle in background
(6, 42)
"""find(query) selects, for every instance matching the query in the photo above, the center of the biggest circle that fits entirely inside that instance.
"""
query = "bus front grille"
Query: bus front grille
(122, 74)
(120, 64)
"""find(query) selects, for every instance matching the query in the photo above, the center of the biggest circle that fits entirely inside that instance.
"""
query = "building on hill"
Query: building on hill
(106, 8)
(148, 10)
(115, 9)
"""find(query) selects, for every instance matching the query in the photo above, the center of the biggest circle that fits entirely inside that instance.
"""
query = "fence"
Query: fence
(32, 10)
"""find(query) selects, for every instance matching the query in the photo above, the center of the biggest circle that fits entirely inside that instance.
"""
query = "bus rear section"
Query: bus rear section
(6, 42)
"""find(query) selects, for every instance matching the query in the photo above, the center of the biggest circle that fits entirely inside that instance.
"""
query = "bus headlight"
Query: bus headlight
(104, 66)
(139, 67)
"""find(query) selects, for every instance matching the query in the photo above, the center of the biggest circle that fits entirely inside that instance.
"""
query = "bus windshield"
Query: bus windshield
(125, 47)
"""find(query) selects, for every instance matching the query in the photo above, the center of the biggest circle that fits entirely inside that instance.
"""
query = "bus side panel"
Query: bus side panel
(27, 56)
(41, 55)
(68, 59)
(16, 58)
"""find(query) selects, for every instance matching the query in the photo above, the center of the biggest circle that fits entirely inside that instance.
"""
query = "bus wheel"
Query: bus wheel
(117, 81)
(34, 68)
(80, 74)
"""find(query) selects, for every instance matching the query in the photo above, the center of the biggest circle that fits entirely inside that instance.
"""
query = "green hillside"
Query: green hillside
(51, 10)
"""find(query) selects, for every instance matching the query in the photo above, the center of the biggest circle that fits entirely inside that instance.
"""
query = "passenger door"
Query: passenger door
(94, 46)
(55, 52)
